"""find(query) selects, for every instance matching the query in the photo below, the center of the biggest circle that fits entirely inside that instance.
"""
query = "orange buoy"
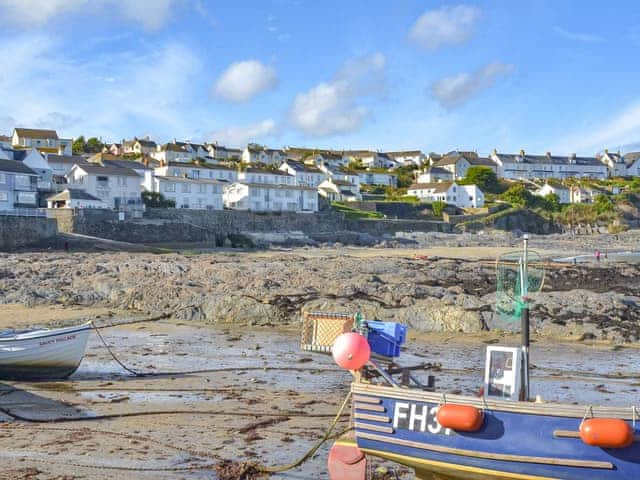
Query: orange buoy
(463, 418)
(606, 432)
(351, 351)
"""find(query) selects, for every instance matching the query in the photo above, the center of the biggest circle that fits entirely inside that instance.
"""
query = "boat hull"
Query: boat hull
(517, 439)
(43, 354)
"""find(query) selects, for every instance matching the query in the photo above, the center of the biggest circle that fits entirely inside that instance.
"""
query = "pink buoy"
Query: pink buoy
(351, 351)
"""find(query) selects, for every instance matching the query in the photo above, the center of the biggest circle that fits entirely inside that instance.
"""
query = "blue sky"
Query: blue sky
(558, 76)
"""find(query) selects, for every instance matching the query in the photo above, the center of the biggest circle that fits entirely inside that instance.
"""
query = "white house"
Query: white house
(435, 174)
(258, 154)
(267, 197)
(197, 170)
(463, 196)
(46, 141)
(75, 198)
(525, 166)
(188, 192)
(458, 163)
(5, 141)
(118, 187)
(260, 175)
(139, 146)
(614, 162)
(563, 193)
(170, 152)
(219, 152)
(33, 159)
(386, 179)
(584, 194)
(408, 157)
(339, 190)
(307, 175)
(371, 159)
(632, 164)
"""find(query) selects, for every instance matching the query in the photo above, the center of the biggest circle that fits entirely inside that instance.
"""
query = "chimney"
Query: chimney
(606, 151)
(548, 154)
(522, 153)
(163, 163)
(495, 151)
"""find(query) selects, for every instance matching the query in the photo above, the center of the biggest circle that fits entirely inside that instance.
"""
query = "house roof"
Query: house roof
(404, 153)
(439, 171)
(481, 161)
(198, 165)
(73, 194)
(69, 159)
(98, 169)
(5, 138)
(278, 186)
(172, 147)
(341, 183)
(302, 167)
(133, 165)
(556, 184)
(268, 172)
(548, 159)
(630, 158)
(143, 143)
(190, 180)
(36, 133)
(438, 187)
(15, 166)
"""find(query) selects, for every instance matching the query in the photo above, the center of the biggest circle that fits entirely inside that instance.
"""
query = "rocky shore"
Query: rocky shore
(583, 301)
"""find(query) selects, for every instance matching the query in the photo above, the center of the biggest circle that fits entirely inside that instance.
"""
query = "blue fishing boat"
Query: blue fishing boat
(499, 434)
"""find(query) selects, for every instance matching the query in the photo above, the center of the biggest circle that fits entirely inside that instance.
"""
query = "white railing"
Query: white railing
(24, 212)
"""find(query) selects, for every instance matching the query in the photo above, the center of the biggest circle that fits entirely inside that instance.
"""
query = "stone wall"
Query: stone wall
(16, 232)
(181, 225)
(401, 210)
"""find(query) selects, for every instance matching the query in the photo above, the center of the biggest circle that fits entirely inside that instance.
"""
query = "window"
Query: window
(186, 188)
(255, 192)
(27, 198)
(170, 187)
(202, 188)
(101, 179)
(3, 178)
(22, 181)
(4, 197)
(289, 193)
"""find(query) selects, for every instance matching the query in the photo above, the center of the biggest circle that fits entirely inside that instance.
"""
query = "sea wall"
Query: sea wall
(181, 225)
(16, 232)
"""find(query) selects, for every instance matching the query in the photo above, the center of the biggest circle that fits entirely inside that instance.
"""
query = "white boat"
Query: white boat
(42, 354)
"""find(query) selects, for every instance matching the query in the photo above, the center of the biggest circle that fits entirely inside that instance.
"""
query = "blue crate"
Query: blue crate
(383, 344)
(397, 331)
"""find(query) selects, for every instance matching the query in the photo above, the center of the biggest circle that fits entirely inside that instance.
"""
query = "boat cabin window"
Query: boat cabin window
(502, 373)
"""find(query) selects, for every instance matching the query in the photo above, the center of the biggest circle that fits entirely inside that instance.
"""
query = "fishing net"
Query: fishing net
(516, 281)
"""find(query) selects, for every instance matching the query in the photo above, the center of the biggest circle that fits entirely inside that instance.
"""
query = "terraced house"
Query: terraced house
(119, 188)
(525, 166)
(18, 186)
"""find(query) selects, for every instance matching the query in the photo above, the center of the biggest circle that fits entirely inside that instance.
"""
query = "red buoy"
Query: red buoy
(463, 418)
(351, 351)
(606, 433)
(346, 462)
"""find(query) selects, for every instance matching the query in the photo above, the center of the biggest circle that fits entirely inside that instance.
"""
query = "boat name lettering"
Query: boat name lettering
(56, 340)
(415, 417)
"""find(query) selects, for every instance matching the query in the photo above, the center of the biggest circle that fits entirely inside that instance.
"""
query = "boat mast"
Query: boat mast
(524, 332)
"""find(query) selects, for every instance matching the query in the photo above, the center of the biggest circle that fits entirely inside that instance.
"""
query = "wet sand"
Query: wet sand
(264, 400)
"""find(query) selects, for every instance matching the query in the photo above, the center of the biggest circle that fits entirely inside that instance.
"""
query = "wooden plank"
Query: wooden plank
(375, 428)
(563, 462)
(549, 409)
(372, 408)
(372, 417)
(576, 434)
(360, 398)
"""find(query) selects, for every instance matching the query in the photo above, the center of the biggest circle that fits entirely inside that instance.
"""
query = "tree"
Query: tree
(484, 178)
(552, 202)
(78, 145)
(517, 194)
(603, 204)
(93, 145)
(157, 200)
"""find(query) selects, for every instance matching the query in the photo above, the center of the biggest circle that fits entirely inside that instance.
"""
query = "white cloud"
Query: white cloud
(445, 26)
(151, 14)
(578, 36)
(623, 128)
(77, 99)
(242, 81)
(456, 90)
(334, 107)
(241, 135)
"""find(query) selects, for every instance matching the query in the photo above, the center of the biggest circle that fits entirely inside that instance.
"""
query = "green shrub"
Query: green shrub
(437, 207)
